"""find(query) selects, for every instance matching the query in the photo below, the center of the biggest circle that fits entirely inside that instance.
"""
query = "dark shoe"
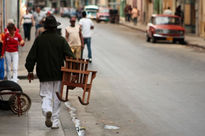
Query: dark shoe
(48, 121)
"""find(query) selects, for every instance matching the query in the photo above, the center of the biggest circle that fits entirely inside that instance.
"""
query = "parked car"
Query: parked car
(102, 14)
(165, 27)
(64, 12)
(91, 11)
(114, 16)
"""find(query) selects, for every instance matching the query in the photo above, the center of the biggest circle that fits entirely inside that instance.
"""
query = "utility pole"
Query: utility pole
(18, 14)
(4, 14)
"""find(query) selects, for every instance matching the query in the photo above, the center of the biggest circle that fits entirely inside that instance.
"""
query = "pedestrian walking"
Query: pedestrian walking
(180, 13)
(10, 48)
(28, 22)
(135, 14)
(10, 21)
(129, 13)
(1, 58)
(42, 29)
(126, 12)
(86, 25)
(48, 52)
(38, 17)
(74, 38)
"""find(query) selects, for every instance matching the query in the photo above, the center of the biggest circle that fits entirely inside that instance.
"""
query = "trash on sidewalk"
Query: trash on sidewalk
(80, 130)
(111, 127)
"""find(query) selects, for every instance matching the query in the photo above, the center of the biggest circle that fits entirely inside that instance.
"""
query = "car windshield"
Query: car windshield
(167, 21)
(104, 10)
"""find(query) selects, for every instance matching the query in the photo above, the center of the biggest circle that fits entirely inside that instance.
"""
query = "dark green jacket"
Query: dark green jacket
(48, 53)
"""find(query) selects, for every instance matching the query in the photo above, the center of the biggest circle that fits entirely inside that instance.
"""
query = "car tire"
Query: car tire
(97, 20)
(182, 41)
(153, 39)
(174, 41)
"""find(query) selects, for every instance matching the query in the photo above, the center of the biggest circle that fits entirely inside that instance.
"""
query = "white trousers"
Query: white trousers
(12, 58)
(50, 101)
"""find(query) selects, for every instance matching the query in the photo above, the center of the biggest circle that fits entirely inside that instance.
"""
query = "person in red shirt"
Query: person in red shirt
(10, 49)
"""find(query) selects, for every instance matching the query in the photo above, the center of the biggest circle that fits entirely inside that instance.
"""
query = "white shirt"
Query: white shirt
(74, 37)
(86, 23)
(38, 17)
(168, 12)
(27, 18)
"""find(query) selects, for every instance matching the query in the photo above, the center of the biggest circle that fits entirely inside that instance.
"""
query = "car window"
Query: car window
(167, 20)
(103, 10)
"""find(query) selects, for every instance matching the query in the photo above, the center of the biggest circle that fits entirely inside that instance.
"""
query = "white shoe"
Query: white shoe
(55, 126)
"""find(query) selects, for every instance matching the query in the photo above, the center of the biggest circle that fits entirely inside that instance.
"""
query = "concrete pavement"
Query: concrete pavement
(32, 123)
(191, 40)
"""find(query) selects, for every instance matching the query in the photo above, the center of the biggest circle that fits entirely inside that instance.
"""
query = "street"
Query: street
(145, 89)
(141, 89)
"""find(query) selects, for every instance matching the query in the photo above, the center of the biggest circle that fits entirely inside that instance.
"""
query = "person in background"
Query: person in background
(10, 48)
(42, 29)
(38, 17)
(48, 53)
(126, 12)
(168, 11)
(1, 58)
(86, 25)
(135, 15)
(28, 22)
(79, 13)
(10, 21)
(74, 37)
(180, 13)
(129, 13)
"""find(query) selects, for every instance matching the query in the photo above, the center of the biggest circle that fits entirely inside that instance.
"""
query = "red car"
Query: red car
(102, 14)
(165, 27)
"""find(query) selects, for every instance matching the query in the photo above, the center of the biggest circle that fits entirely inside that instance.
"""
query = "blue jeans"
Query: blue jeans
(37, 27)
(87, 41)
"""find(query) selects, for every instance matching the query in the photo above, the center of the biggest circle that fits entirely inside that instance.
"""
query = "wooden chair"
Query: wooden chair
(75, 74)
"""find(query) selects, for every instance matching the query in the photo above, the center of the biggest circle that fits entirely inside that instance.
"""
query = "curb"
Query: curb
(195, 45)
(132, 27)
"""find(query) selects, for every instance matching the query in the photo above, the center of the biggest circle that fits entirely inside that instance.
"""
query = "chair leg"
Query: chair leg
(83, 99)
(60, 95)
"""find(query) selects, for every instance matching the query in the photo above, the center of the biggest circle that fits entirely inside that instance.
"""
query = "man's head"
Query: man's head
(83, 14)
(38, 9)
(72, 21)
(50, 22)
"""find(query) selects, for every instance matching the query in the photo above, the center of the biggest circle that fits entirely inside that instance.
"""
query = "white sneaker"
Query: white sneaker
(55, 126)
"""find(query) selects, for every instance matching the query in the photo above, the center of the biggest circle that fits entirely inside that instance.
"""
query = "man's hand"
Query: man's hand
(30, 76)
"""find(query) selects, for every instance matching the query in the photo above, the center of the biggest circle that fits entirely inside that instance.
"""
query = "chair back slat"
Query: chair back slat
(77, 64)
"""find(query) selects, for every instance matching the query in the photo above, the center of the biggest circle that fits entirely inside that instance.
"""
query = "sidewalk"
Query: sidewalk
(32, 123)
(191, 40)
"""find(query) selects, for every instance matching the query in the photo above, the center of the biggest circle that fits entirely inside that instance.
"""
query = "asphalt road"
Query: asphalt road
(145, 89)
